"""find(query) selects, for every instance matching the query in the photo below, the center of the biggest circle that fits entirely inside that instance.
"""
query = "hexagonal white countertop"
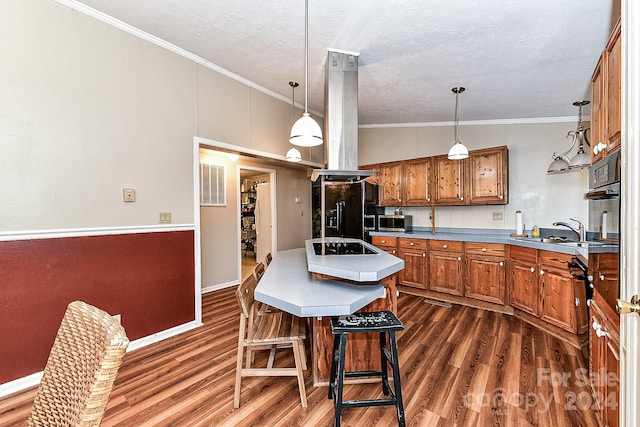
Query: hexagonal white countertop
(287, 283)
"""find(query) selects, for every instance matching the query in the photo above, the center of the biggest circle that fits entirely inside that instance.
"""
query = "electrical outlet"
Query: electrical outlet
(128, 194)
(497, 216)
(165, 217)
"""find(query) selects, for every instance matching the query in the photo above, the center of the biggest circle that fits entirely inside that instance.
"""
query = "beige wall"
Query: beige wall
(220, 225)
(88, 109)
(543, 199)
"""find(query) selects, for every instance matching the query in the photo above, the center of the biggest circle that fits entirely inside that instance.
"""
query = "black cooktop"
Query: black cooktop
(342, 248)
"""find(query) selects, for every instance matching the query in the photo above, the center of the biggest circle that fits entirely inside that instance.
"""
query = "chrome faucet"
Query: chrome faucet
(580, 231)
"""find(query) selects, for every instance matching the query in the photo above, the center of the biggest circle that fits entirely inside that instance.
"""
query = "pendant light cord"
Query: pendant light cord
(456, 121)
(306, 53)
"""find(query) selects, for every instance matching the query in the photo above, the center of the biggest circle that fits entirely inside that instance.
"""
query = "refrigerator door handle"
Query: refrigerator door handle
(339, 205)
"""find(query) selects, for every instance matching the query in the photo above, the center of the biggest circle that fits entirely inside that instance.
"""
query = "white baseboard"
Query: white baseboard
(217, 287)
(34, 379)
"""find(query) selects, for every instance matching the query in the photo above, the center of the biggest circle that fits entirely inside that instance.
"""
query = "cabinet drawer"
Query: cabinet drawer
(383, 241)
(404, 242)
(492, 249)
(555, 259)
(445, 245)
(523, 254)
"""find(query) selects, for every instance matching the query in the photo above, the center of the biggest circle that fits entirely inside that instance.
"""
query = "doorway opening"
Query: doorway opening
(256, 218)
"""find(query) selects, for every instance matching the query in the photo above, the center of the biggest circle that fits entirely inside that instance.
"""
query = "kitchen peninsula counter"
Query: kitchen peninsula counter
(319, 286)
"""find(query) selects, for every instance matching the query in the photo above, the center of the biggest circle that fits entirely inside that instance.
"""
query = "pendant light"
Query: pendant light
(293, 155)
(582, 159)
(561, 162)
(458, 151)
(306, 132)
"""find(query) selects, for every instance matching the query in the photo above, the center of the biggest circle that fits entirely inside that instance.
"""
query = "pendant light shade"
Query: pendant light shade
(306, 132)
(293, 155)
(458, 151)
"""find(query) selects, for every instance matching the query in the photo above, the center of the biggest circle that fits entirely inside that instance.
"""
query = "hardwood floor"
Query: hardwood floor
(460, 367)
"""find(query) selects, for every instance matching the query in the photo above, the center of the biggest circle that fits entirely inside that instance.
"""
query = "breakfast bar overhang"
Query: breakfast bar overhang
(331, 278)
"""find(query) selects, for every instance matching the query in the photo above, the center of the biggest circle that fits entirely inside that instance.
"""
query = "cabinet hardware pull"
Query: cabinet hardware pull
(424, 255)
(602, 277)
(445, 246)
(533, 269)
(542, 272)
(484, 249)
(596, 325)
(459, 258)
(600, 333)
(411, 243)
(501, 263)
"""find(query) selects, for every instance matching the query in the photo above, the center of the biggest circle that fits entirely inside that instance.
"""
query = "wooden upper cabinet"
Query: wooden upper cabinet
(613, 55)
(449, 179)
(417, 184)
(606, 100)
(390, 184)
(488, 176)
(481, 179)
(597, 121)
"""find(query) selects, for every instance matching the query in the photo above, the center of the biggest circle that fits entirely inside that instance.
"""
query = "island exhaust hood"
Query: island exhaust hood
(341, 119)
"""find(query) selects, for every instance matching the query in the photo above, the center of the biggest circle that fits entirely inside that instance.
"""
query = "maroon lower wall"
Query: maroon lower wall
(148, 278)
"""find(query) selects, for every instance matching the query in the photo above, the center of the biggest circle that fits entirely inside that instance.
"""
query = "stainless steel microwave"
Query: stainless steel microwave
(399, 223)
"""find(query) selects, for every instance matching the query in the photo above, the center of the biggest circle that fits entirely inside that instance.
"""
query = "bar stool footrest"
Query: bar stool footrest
(360, 374)
(368, 402)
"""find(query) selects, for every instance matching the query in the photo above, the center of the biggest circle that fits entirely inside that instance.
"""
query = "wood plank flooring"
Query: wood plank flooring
(460, 367)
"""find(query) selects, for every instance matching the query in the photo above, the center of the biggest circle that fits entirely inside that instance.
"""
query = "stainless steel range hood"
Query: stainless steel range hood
(341, 119)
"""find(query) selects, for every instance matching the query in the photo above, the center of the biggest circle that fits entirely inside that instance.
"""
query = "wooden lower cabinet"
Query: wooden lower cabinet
(604, 360)
(414, 254)
(485, 272)
(523, 279)
(445, 267)
(562, 296)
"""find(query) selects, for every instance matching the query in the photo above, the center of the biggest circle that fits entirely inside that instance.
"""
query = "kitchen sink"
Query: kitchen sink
(587, 244)
(546, 240)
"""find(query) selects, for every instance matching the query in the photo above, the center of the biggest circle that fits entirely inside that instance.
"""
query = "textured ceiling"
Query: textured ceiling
(517, 58)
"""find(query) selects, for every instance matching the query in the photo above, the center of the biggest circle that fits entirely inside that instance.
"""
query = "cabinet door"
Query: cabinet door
(611, 397)
(485, 278)
(417, 182)
(450, 180)
(596, 362)
(613, 55)
(445, 272)
(597, 113)
(523, 286)
(557, 303)
(390, 185)
(488, 180)
(415, 268)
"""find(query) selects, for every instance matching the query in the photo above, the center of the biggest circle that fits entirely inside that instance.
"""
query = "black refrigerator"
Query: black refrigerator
(344, 209)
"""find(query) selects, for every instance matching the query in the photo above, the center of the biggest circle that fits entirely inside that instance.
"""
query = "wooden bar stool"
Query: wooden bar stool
(386, 324)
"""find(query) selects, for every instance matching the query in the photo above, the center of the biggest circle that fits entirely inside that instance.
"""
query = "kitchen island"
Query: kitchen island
(335, 283)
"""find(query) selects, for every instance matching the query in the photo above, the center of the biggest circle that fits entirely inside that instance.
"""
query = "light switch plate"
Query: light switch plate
(128, 194)
(497, 216)
(165, 217)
